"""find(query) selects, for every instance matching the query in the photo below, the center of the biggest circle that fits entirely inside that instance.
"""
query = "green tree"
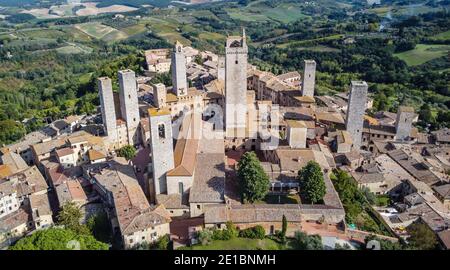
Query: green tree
(384, 244)
(421, 237)
(58, 239)
(100, 227)
(311, 181)
(283, 228)
(307, 242)
(128, 152)
(163, 243)
(70, 217)
(254, 182)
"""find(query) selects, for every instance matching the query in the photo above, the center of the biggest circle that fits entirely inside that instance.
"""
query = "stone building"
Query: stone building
(236, 86)
(355, 112)
(128, 209)
(162, 148)
(107, 107)
(403, 124)
(160, 95)
(129, 106)
(179, 80)
(309, 78)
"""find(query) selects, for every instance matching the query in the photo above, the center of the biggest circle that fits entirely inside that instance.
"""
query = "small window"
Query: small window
(198, 206)
(180, 188)
(236, 62)
(161, 131)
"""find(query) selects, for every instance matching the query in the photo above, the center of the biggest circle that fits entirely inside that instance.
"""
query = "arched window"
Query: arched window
(162, 131)
(235, 44)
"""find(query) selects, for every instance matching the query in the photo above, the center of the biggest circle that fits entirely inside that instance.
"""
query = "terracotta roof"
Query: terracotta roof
(5, 171)
(15, 219)
(185, 152)
(14, 161)
(296, 124)
(40, 205)
(333, 117)
(444, 237)
(158, 112)
(64, 152)
(95, 155)
(70, 191)
(254, 213)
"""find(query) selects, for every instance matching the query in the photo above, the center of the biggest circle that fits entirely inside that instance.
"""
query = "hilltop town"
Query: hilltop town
(189, 140)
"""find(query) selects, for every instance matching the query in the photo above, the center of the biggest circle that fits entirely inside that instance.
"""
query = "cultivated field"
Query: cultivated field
(101, 31)
(92, 9)
(423, 53)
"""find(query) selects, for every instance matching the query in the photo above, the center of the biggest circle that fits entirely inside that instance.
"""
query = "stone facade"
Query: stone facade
(107, 107)
(129, 107)
(403, 124)
(355, 111)
(162, 148)
(160, 95)
(235, 86)
(309, 78)
(179, 80)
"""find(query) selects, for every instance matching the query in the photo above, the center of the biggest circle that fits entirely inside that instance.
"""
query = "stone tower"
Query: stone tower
(179, 80)
(309, 78)
(403, 125)
(236, 51)
(355, 111)
(161, 143)
(107, 106)
(129, 106)
(159, 95)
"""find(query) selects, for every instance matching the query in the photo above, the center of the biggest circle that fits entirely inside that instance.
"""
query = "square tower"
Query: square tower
(179, 80)
(159, 95)
(107, 106)
(236, 86)
(403, 124)
(129, 105)
(309, 78)
(354, 121)
(161, 143)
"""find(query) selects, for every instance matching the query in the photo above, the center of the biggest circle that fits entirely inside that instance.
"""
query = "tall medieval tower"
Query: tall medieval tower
(236, 51)
(309, 78)
(129, 106)
(354, 121)
(107, 105)
(403, 125)
(179, 80)
(161, 143)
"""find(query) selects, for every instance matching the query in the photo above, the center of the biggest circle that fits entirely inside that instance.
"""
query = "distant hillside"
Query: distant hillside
(134, 3)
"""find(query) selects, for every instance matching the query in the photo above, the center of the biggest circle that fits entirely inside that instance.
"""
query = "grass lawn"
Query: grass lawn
(423, 53)
(282, 199)
(240, 244)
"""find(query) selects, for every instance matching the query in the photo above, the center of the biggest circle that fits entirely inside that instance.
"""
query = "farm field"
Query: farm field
(442, 36)
(423, 53)
(92, 9)
(73, 48)
(301, 43)
(101, 31)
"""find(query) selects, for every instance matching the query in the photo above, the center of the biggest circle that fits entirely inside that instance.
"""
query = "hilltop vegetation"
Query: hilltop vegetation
(48, 66)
